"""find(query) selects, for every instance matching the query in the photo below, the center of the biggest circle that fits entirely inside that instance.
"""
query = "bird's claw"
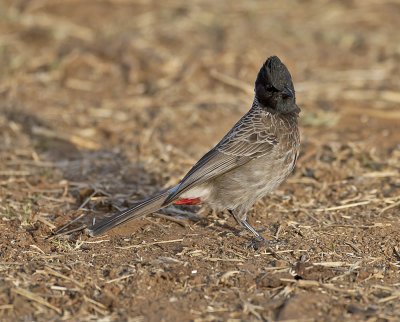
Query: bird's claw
(259, 242)
(256, 243)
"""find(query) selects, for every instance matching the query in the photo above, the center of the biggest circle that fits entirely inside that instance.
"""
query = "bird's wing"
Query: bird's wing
(250, 138)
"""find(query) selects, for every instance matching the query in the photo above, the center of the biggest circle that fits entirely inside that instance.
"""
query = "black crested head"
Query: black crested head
(274, 87)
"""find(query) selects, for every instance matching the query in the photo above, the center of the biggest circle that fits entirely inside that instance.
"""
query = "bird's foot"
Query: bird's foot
(260, 242)
(257, 243)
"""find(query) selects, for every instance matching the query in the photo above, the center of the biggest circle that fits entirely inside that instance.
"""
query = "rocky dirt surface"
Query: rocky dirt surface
(105, 102)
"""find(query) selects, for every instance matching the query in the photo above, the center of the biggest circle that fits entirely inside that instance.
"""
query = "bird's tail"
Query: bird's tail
(138, 210)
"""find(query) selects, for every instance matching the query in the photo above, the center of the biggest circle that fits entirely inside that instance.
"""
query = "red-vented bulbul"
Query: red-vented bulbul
(252, 160)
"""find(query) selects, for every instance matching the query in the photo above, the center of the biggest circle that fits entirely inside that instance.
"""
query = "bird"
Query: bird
(250, 161)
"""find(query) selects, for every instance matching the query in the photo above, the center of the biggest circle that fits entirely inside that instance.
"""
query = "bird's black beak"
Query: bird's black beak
(287, 92)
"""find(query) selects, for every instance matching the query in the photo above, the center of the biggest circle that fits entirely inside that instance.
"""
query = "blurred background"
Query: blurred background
(103, 102)
(99, 70)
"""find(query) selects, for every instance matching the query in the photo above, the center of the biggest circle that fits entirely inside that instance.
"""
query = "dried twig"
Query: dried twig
(57, 274)
(36, 298)
(120, 278)
(151, 244)
(389, 207)
(231, 81)
(356, 204)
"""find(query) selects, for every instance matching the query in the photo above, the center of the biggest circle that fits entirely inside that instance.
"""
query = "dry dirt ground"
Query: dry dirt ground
(105, 102)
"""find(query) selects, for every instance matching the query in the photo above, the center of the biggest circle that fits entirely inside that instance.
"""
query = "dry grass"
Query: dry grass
(105, 102)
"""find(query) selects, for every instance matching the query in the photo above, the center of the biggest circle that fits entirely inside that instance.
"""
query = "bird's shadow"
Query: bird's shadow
(101, 182)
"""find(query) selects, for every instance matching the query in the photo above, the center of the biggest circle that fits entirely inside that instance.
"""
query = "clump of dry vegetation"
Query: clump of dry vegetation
(106, 102)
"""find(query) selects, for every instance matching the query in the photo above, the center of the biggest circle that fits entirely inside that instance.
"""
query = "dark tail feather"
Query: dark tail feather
(140, 209)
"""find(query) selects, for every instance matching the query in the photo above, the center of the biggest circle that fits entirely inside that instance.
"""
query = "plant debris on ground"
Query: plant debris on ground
(103, 103)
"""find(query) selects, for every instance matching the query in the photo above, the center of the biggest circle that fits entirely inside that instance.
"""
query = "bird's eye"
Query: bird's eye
(287, 93)
(271, 88)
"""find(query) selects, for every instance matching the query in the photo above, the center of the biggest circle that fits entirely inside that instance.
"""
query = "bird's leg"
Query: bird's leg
(258, 240)
(251, 229)
(244, 223)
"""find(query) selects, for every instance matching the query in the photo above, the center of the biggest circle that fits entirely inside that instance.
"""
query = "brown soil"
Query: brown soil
(105, 102)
